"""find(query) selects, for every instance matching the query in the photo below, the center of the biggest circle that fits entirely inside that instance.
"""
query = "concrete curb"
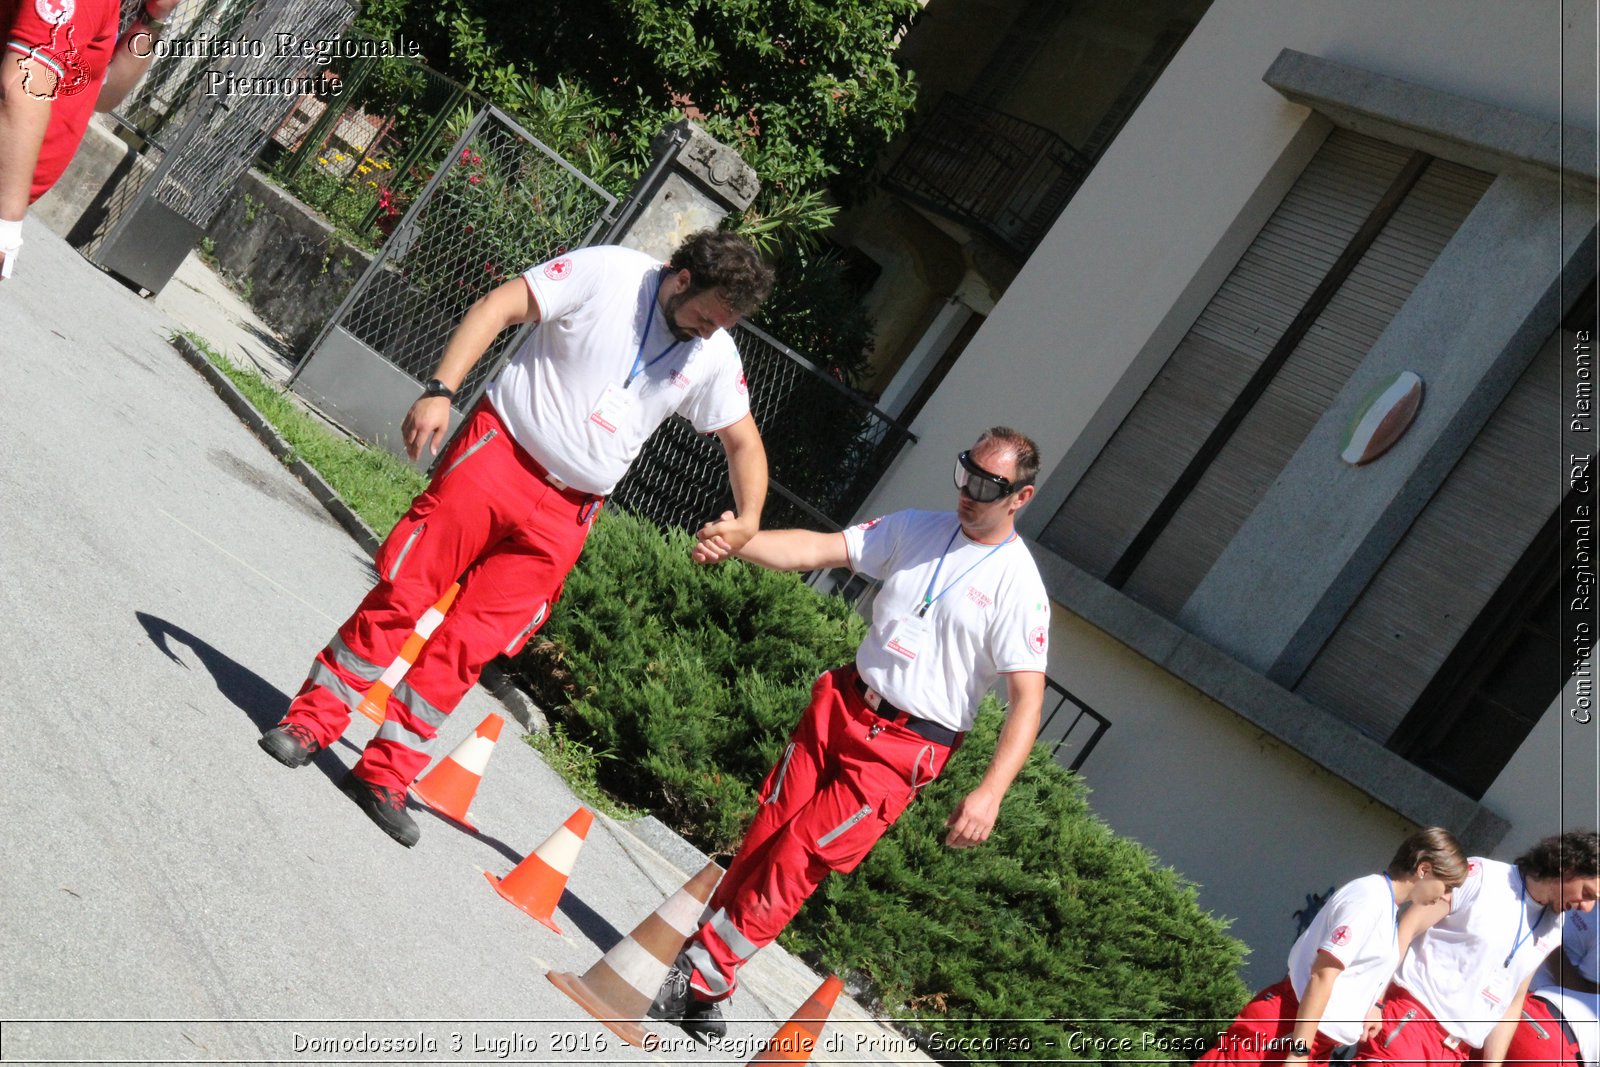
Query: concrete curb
(494, 680)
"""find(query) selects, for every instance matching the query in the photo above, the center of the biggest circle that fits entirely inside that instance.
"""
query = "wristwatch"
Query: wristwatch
(437, 388)
(154, 25)
(1299, 1048)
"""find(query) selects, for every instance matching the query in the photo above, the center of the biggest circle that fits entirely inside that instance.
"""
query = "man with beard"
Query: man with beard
(622, 343)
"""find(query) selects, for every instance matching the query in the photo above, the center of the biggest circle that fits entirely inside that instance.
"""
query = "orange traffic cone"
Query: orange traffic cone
(535, 884)
(449, 788)
(619, 988)
(377, 698)
(797, 1039)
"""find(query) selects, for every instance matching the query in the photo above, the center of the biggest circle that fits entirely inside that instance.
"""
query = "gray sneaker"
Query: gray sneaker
(697, 1018)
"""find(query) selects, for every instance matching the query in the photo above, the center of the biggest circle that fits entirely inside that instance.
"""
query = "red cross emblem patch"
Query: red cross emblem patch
(558, 269)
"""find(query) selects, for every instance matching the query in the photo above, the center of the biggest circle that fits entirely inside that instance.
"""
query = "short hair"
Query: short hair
(1020, 443)
(1574, 854)
(1436, 847)
(724, 262)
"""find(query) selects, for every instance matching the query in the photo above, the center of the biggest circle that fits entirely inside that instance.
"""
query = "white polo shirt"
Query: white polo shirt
(562, 394)
(1582, 1012)
(1356, 927)
(990, 615)
(1463, 968)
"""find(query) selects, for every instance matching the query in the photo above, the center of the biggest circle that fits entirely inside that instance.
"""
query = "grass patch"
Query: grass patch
(579, 767)
(376, 485)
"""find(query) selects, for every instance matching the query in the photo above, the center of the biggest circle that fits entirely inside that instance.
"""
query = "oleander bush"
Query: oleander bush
(686, 681)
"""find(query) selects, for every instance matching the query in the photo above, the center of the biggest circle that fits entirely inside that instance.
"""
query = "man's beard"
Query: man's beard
(670, 313)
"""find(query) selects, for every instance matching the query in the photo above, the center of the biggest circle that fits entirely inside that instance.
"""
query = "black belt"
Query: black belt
(939, 735)
(1560, 1020)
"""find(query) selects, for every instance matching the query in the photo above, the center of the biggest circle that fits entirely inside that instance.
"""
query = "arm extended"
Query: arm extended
(973, 819)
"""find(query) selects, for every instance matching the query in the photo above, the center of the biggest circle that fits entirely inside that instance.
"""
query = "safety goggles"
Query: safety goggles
(980, 485)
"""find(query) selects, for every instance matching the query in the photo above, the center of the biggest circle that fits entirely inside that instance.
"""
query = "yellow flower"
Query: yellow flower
(322, 160)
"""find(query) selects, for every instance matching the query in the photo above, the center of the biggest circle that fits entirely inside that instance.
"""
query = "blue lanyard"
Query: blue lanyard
(645, 336)
(1522, 916)
(1390, 882)
(928, 596)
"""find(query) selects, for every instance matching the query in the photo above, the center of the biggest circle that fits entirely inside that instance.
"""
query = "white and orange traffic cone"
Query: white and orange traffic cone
(619, 988)
(535, 884)
(798, 1038)
(449, 788)
(373, 705)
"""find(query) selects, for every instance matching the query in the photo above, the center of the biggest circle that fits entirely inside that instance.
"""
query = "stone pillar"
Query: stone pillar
(1316, 539)
(694, 182)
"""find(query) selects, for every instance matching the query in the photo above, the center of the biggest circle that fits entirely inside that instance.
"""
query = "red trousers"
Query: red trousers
(1540, 1039)
(843, 780)
(489, 519)
(1410, 1035)
(1262, 1032)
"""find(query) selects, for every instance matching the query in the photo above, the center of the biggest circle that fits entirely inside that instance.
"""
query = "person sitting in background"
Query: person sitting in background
(1343, 961)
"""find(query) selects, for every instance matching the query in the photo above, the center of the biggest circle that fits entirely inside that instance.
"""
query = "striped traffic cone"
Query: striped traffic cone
(449, 788)
(797, 1039)
(619, 988)
(535, 884)
(373, 705)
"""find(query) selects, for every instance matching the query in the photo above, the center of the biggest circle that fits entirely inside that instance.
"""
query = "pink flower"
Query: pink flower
(475, 179)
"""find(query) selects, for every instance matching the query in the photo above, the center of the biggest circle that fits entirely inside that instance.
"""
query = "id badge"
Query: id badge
(908, 637)
(1498, 992)
(615, 405)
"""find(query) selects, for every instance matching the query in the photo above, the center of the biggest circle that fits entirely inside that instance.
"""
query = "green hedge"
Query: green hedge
(687, 680)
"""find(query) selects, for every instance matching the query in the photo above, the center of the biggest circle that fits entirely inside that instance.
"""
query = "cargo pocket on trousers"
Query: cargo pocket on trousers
(529, 630)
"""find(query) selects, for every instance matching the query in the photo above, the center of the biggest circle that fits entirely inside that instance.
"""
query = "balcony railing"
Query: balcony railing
(993, 172)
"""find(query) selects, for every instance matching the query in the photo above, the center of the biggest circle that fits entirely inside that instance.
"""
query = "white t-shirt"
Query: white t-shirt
(1580, 940)
(1458, 967)
(990, 614)
(1582, 1012)
(1356, 927)
(561, 395)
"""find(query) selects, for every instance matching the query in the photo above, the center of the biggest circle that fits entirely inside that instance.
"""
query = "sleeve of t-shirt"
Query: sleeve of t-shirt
(560, 286)
(871, 545)
(1019, 636)
(1348, 925)
(38, 28)
(723, 397)
(1578, 941)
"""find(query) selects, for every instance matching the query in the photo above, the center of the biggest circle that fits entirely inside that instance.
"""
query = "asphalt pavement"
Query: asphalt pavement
(172, 894)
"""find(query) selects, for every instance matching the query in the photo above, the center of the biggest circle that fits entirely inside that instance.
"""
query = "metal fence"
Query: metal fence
(196, 129)
(1079, 729)
(827, 446)
(500, 201)
(360, 158)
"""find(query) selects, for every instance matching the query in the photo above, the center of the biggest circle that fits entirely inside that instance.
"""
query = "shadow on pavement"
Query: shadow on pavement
(601, 933)
(252, 694)
(493, 842)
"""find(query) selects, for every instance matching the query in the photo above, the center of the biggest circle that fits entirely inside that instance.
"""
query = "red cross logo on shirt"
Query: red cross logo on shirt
(1340, 936)
(1037, 639)
(558, 269)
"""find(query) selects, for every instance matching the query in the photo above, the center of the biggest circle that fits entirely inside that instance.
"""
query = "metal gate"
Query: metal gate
(500, 201)
(200, 130)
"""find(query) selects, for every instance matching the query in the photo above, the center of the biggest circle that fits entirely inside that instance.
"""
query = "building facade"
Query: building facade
(1312, 213)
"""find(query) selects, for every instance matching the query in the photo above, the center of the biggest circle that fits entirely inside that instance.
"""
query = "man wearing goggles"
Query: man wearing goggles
(962, 606)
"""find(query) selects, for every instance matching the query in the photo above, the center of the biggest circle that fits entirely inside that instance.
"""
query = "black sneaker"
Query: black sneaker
(697, 1018)
(290, 743)
(386, 807)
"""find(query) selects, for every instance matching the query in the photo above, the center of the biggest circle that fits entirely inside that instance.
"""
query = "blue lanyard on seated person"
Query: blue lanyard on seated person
(649, 318)
(928, 597)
